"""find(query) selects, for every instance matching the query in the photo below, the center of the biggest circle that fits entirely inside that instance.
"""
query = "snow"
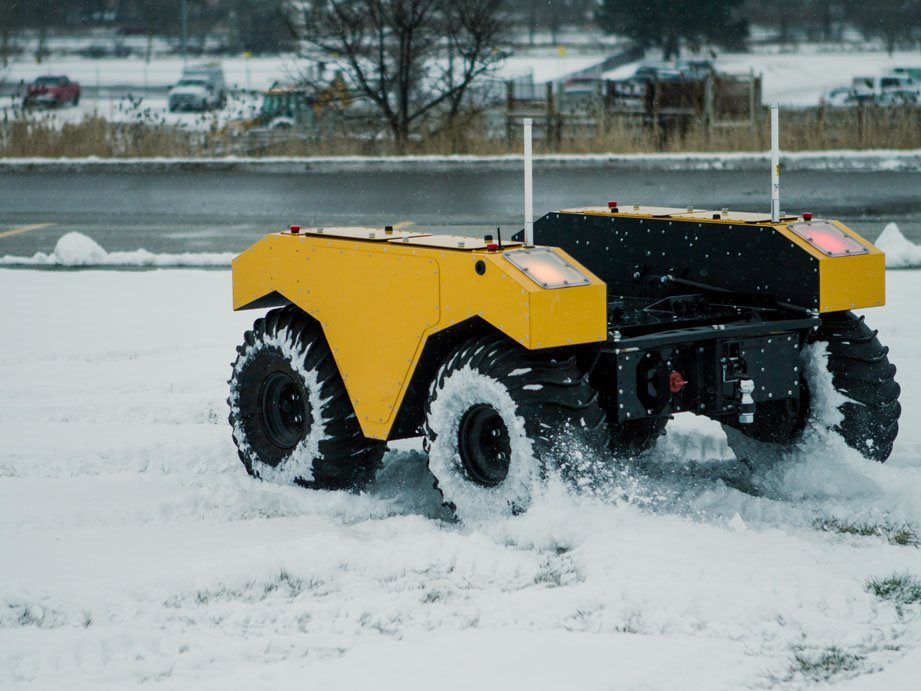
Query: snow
(137, 552)
(900, 251)
(75, 249)
(243, 73)
(545, 68)
(800, 78)
(151, 110)
(258, 73)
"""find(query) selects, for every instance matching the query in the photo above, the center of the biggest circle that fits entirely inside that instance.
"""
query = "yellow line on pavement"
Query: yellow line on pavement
(24, 229)
(403, 224)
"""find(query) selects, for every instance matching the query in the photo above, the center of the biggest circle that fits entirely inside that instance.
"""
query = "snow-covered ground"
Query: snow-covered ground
(76, 250)
(134, 549)
(151, 110)
(258, 73)
(249, 75)
(800, 78)
(240, 73)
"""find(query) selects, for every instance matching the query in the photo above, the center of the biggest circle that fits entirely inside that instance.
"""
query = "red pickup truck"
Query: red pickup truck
(52, 91)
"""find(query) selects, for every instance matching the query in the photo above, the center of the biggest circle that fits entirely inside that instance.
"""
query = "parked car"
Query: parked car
(52, 91)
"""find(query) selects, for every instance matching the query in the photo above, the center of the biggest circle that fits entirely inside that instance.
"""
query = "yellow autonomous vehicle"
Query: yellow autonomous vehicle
(592, 323)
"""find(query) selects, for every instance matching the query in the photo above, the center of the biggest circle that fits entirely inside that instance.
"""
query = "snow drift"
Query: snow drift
(77, 250)
(901, 253)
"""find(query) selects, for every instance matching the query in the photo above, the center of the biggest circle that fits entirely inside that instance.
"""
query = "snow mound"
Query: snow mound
(901, 253)
(76, 249)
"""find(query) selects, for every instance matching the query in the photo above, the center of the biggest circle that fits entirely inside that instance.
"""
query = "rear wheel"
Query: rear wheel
(496, 414)
(291, 416)
(861, 372)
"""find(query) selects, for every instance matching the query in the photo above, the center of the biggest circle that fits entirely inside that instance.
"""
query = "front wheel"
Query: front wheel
(292, 418)
(495, 415)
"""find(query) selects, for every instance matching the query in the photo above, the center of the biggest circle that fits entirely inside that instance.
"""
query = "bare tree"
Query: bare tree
(414, 60)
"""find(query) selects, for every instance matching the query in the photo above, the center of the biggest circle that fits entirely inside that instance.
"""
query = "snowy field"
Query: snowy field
(153, 110)
(136, 550)
(256, 73)
(792, 79)
(250, 76)
(800, 78)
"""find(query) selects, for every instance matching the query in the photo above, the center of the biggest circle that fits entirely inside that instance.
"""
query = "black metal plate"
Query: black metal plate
(632, 255)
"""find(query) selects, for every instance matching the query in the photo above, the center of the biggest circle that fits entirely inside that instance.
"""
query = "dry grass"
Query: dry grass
(869, 128)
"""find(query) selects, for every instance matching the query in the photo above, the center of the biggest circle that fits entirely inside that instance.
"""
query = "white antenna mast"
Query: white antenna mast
(528, 186)
(775, 164)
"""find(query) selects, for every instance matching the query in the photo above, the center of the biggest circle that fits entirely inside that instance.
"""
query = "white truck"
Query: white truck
(201, 87)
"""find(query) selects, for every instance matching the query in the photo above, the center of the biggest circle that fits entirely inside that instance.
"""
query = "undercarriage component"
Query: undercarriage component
(747, 404)
(861, 374)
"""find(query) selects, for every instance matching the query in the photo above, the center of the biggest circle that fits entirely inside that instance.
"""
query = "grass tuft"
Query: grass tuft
(902, 589)
(903, 535)
(826, 664)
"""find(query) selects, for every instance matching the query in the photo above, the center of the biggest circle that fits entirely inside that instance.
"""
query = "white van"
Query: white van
(201, 87)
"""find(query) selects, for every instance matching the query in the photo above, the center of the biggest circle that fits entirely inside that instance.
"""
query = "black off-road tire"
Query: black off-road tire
(496, 416)
(291, 415)
(861, 372)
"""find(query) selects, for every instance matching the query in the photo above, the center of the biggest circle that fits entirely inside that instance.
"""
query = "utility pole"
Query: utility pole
(184, 23)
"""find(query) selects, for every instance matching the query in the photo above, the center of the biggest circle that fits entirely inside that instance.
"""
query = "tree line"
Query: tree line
(256, 26)
(264, 26)
(672, 25)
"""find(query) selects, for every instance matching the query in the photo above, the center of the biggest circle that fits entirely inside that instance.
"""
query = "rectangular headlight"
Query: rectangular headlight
(546, 268)
(828, 238)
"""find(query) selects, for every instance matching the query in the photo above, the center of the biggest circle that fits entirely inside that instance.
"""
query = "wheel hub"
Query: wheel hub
(484, 445)
(284, 411)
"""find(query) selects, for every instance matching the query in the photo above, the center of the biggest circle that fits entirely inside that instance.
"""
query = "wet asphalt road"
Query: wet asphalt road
(226, 211)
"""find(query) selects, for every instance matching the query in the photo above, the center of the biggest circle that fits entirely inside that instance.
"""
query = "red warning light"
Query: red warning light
(295, 229)
(612, 205)
(676, 382)
(807, 216)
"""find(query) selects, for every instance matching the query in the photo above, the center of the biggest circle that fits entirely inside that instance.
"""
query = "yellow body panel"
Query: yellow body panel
(378, 302)
(845, 283)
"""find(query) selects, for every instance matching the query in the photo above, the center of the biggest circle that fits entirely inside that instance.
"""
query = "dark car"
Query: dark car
(52, 91)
